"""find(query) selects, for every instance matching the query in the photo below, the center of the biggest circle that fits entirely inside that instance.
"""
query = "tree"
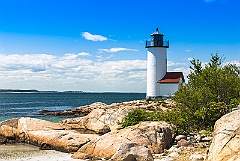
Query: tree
(210, 93)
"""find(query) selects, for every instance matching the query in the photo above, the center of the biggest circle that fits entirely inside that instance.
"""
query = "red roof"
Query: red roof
(172, 77)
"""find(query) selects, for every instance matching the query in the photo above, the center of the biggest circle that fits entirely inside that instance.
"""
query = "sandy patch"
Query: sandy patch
(24, 152)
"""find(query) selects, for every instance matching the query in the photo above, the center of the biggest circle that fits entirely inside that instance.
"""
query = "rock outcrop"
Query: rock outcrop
(156, 136)
(8, 131)
(100, 121)
(226, 140)
(96, 135)
(132, 151)
(61, 140)
(142, 104)
(79, 111)
(45, 134)
(33, 124)
(135, 143)
(106, 118)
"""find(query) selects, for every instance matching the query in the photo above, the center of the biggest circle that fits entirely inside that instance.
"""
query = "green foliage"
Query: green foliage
(234, 103)
(210, 93)
(138, 115)
(134, 117)
(155, 116)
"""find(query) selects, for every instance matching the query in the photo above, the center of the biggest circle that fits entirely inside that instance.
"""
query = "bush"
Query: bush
(210, 93)
(138, 115)
(134, 117)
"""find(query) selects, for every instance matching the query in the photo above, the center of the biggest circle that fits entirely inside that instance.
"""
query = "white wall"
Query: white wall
(168, 89)
(156, 69)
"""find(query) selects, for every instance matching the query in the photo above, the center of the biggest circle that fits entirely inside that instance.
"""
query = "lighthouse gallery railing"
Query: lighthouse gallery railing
(157, 43)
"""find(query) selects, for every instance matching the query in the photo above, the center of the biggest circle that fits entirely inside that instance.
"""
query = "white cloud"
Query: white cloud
(102, 58)
(114, 50)
(236, 62)
(99, 57)
(69, 56)
(74, 72)
(189, 58)
(71, 72)
(89, 36)
(84, 54)
(35, 63)
(70, 62)
(172, 63)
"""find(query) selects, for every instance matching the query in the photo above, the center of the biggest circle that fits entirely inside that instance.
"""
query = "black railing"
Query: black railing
(157, 43)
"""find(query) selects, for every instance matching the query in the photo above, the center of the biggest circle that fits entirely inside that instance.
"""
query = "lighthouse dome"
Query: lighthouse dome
(156, 33)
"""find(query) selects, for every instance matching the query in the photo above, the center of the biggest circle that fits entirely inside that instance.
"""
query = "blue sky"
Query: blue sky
(97, 46)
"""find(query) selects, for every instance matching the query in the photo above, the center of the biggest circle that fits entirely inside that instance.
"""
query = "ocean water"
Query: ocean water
(15, 105)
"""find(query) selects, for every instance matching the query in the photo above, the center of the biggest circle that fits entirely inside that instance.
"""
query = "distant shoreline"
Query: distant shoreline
(34, 91)
(37, 91)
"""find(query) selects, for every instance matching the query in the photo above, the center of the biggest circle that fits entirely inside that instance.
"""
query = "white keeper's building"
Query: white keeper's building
(160, 83)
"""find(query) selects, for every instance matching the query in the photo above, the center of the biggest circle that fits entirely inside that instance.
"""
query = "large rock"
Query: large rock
(61, 140)
(226, 141)
(45, 134)
(33, 124)
(101, 120)
(156, 136)
(27, 124)
(8, 131)
(132, 151)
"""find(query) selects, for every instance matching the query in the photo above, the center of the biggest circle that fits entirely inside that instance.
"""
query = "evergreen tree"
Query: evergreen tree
(211, 91)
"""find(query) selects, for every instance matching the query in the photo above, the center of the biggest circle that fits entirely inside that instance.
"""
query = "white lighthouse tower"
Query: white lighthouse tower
(156, 63)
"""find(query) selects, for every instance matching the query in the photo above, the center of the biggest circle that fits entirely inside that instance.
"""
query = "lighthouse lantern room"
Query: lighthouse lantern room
(157, 65)
(157, 40)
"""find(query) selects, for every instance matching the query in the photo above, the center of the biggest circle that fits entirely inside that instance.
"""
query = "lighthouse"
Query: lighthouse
(156, 63)
(160, 83)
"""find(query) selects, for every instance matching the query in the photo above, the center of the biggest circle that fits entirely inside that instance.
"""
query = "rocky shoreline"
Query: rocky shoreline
(85, 110)
(99, 136)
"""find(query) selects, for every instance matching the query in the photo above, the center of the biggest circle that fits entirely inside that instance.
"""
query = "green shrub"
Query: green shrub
(210, 93)
(134, 117)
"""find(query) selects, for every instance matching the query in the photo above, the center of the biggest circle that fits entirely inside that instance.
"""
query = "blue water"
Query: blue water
(15, 105)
